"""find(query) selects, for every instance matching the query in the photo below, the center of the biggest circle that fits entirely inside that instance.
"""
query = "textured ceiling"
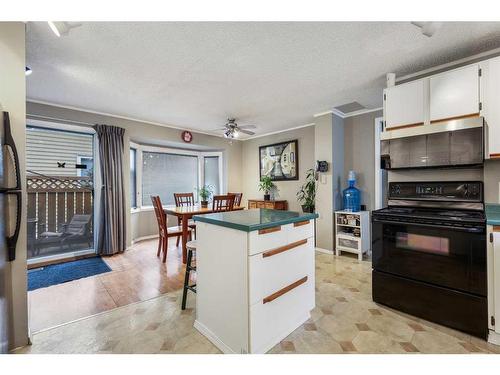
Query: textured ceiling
(274, 75)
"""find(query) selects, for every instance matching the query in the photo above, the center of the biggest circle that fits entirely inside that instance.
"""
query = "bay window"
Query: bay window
(163, 172)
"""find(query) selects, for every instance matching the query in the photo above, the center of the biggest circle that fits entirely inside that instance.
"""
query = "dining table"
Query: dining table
(187, 212)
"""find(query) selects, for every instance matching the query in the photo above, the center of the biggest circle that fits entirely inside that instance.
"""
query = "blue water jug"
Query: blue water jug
(351, 195)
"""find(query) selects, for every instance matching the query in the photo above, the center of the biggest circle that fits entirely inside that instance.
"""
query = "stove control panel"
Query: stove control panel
(448, 191)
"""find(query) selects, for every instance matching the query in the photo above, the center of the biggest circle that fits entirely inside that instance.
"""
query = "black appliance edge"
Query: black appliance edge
(461, 311)
(9, 141)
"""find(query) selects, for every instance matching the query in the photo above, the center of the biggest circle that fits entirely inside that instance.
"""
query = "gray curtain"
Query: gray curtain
(112, 232)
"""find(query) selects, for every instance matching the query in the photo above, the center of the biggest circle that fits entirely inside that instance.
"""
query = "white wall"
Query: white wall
(324, 197)
(13, 100)
(286, 189)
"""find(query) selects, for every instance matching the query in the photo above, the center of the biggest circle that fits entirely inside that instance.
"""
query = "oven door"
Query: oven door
(452, 257)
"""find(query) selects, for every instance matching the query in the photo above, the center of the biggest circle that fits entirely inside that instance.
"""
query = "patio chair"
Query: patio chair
(78, 229)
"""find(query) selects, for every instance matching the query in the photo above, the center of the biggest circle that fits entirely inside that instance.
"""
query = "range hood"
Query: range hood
(454, 143)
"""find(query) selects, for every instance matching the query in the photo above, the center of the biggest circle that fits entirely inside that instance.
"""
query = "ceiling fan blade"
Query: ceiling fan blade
(218, 129)
(246, 131)
(247, 127)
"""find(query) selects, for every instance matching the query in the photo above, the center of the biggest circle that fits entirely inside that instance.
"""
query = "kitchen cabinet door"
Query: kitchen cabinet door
(404, 104)
(490, 82)
(493, 262)
(454, 93)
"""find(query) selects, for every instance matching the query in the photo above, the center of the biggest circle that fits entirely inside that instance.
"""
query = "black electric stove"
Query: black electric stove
(429, 253)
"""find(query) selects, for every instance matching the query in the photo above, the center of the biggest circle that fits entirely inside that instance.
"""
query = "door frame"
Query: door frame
(379, 191)
(53, 125)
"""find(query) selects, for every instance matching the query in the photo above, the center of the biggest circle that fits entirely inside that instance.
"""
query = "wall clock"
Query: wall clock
(187, 136)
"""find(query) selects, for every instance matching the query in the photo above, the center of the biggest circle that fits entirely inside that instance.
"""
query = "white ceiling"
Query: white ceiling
(275, 75)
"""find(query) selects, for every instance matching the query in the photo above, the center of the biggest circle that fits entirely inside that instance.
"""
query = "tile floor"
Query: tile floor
(345, 320)
(137, 275)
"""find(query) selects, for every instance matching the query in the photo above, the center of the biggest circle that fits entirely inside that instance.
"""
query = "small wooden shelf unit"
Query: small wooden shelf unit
(352, 232)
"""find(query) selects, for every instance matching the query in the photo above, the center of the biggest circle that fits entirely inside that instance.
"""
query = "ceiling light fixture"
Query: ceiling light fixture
(54, 28)
(62, 28)
(428, 28)
(28, 71)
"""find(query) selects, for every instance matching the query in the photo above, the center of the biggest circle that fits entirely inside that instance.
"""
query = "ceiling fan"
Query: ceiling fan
(232, 130)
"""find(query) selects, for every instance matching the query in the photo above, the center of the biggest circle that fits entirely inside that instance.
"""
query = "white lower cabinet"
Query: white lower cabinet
(271, 322)
(493, 261)
(254, 288)
(270, 272)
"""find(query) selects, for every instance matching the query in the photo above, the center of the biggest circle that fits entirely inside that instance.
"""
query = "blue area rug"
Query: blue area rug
(61, 273)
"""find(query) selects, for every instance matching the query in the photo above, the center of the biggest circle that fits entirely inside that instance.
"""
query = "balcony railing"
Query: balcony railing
(53, 200)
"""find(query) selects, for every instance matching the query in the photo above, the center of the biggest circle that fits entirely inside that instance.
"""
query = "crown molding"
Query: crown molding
(351, 114)
(447, 66)
(279, 131)
(120, 117)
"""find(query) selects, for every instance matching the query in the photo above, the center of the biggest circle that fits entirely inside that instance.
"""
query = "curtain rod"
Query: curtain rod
(47, 118)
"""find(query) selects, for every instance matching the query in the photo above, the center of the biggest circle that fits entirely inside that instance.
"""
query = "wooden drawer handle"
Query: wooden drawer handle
(269, 230)
(300, 223)
(286, 289)
(495, 156)
(281, 249)
(496, 228)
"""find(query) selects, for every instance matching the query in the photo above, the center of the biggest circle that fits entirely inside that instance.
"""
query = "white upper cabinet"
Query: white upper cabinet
(490, 90)
(454, 93)
(404, 104)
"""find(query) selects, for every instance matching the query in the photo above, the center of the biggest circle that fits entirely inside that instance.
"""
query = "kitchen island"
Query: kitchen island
(255, 277)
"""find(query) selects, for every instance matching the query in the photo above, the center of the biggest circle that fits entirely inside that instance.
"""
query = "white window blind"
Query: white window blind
(164, 174)
(211, 165)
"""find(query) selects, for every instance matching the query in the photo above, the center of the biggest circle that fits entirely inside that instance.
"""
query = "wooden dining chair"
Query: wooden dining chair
(223, 202)
(237, 198)
(184, 199)
(164, 232)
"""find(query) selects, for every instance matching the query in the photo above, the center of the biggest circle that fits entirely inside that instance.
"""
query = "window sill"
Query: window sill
(141, 209)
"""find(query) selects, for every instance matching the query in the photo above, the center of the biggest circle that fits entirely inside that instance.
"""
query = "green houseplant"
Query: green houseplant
(205, 193)
(307, 193)
(265, 185)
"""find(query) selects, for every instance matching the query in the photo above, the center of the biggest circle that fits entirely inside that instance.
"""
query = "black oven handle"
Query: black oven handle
(462, 229)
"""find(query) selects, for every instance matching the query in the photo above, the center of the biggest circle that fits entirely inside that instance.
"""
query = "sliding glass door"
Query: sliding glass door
(60, 185)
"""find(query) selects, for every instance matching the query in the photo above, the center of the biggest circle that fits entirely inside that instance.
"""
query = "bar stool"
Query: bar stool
(191, 248)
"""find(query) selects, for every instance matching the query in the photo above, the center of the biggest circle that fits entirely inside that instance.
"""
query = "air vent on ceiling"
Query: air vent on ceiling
(346, 109)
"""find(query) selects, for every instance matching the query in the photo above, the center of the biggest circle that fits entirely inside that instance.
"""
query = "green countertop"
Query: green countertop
(250, 220)
(493, 214)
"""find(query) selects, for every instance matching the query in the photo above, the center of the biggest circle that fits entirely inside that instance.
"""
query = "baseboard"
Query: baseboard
(494, 338)
(144, 238)
(213, 338)
(324, 251)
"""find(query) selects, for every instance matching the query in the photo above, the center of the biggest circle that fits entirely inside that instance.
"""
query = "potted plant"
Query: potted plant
(307, 193)
(205, 192)
(265, 185)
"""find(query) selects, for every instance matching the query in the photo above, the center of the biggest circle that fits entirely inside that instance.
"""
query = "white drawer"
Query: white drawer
(349, 242)
(300, 230)
(271, 322)
(274, 269)
(265, 239)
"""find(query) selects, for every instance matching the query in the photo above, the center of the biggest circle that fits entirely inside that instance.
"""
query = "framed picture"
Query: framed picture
(280, 161)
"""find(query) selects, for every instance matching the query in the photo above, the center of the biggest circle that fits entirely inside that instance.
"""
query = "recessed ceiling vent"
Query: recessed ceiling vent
(348, 108)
